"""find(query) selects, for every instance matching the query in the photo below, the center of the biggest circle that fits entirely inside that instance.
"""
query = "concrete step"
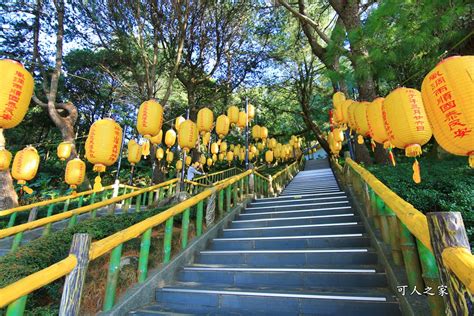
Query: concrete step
(290, 257)
(302, 200)
(297, 196)
(297, 279)
(295, 230)
(303, 206)
(301, 220)
(291, 242)
(297, 213)
(272, 302)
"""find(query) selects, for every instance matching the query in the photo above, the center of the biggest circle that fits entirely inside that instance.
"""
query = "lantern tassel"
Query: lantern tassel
(27, 190)
(97, 183)
(416, 172)
(360, 139)
(392, 158)
(372, 144)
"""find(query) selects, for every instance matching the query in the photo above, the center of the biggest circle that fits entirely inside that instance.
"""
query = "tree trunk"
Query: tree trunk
(381, 155)
(315, 129)
(8, 196)
(361, 152)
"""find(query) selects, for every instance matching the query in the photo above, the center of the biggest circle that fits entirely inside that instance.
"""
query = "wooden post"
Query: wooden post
(112, 278)
(199, 215)
(74, 283)
(167, 240)
(143, 258)
(18, 237)
(394, 236)
(185, 228)
(430, 276)
(220, 202)
(383, 219)
(446, 232)
(410, 257)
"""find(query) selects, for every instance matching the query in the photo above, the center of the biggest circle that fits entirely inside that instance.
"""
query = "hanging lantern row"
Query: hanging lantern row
(407, 118)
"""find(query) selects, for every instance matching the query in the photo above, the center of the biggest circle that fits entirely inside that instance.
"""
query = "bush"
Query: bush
(45, 251)
(446, 186)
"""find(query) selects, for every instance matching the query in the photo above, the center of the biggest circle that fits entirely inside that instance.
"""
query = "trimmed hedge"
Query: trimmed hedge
(446, 186)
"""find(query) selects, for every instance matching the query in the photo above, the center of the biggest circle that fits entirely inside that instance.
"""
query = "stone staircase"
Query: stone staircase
(304, 252)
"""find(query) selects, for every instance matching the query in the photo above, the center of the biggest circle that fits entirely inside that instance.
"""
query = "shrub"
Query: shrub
(446, 186)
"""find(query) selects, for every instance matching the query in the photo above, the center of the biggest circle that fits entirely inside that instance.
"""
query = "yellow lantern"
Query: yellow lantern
(375, 122)
(209, 162)
(5, 159)
(169, 157)
(242, 156)
(16, 90)
(342, 113)
(75, 172)
(360, 117)
(205, 120)
(263, 133)
(156, 140)
(351, 115)
(256, 132)
(272, 143)
(206, 138)
(202, 159)
(260, 146)
(338, 135)
(214, 157)
(406, 123)
(170, 138)
(337, 100)
(269, 156)
(179, 165)
(103, 146)
(251, 155)
(64, 150)
(233, 114)
(405, 120)
(214, 148)
(188, 160)
(187, 135)
(25, 166)
(160, 153)
(146, 148)
(250, 111)
(103, 143)
(223, 147)
(149, 118)
(222, 156)
(222, 126)
(134, 154)
(177, 122)
(253, 149)
(448, 96)
(230, 156)
(242, 121)
(231, 147)
(236, 150)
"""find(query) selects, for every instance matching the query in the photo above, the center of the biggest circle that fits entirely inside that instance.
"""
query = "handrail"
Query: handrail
(24, 286)
(457, 260)
(47, 202)
(57, 217)
(102, 246)
(21, 288)
(214, 173)
(413, 219)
